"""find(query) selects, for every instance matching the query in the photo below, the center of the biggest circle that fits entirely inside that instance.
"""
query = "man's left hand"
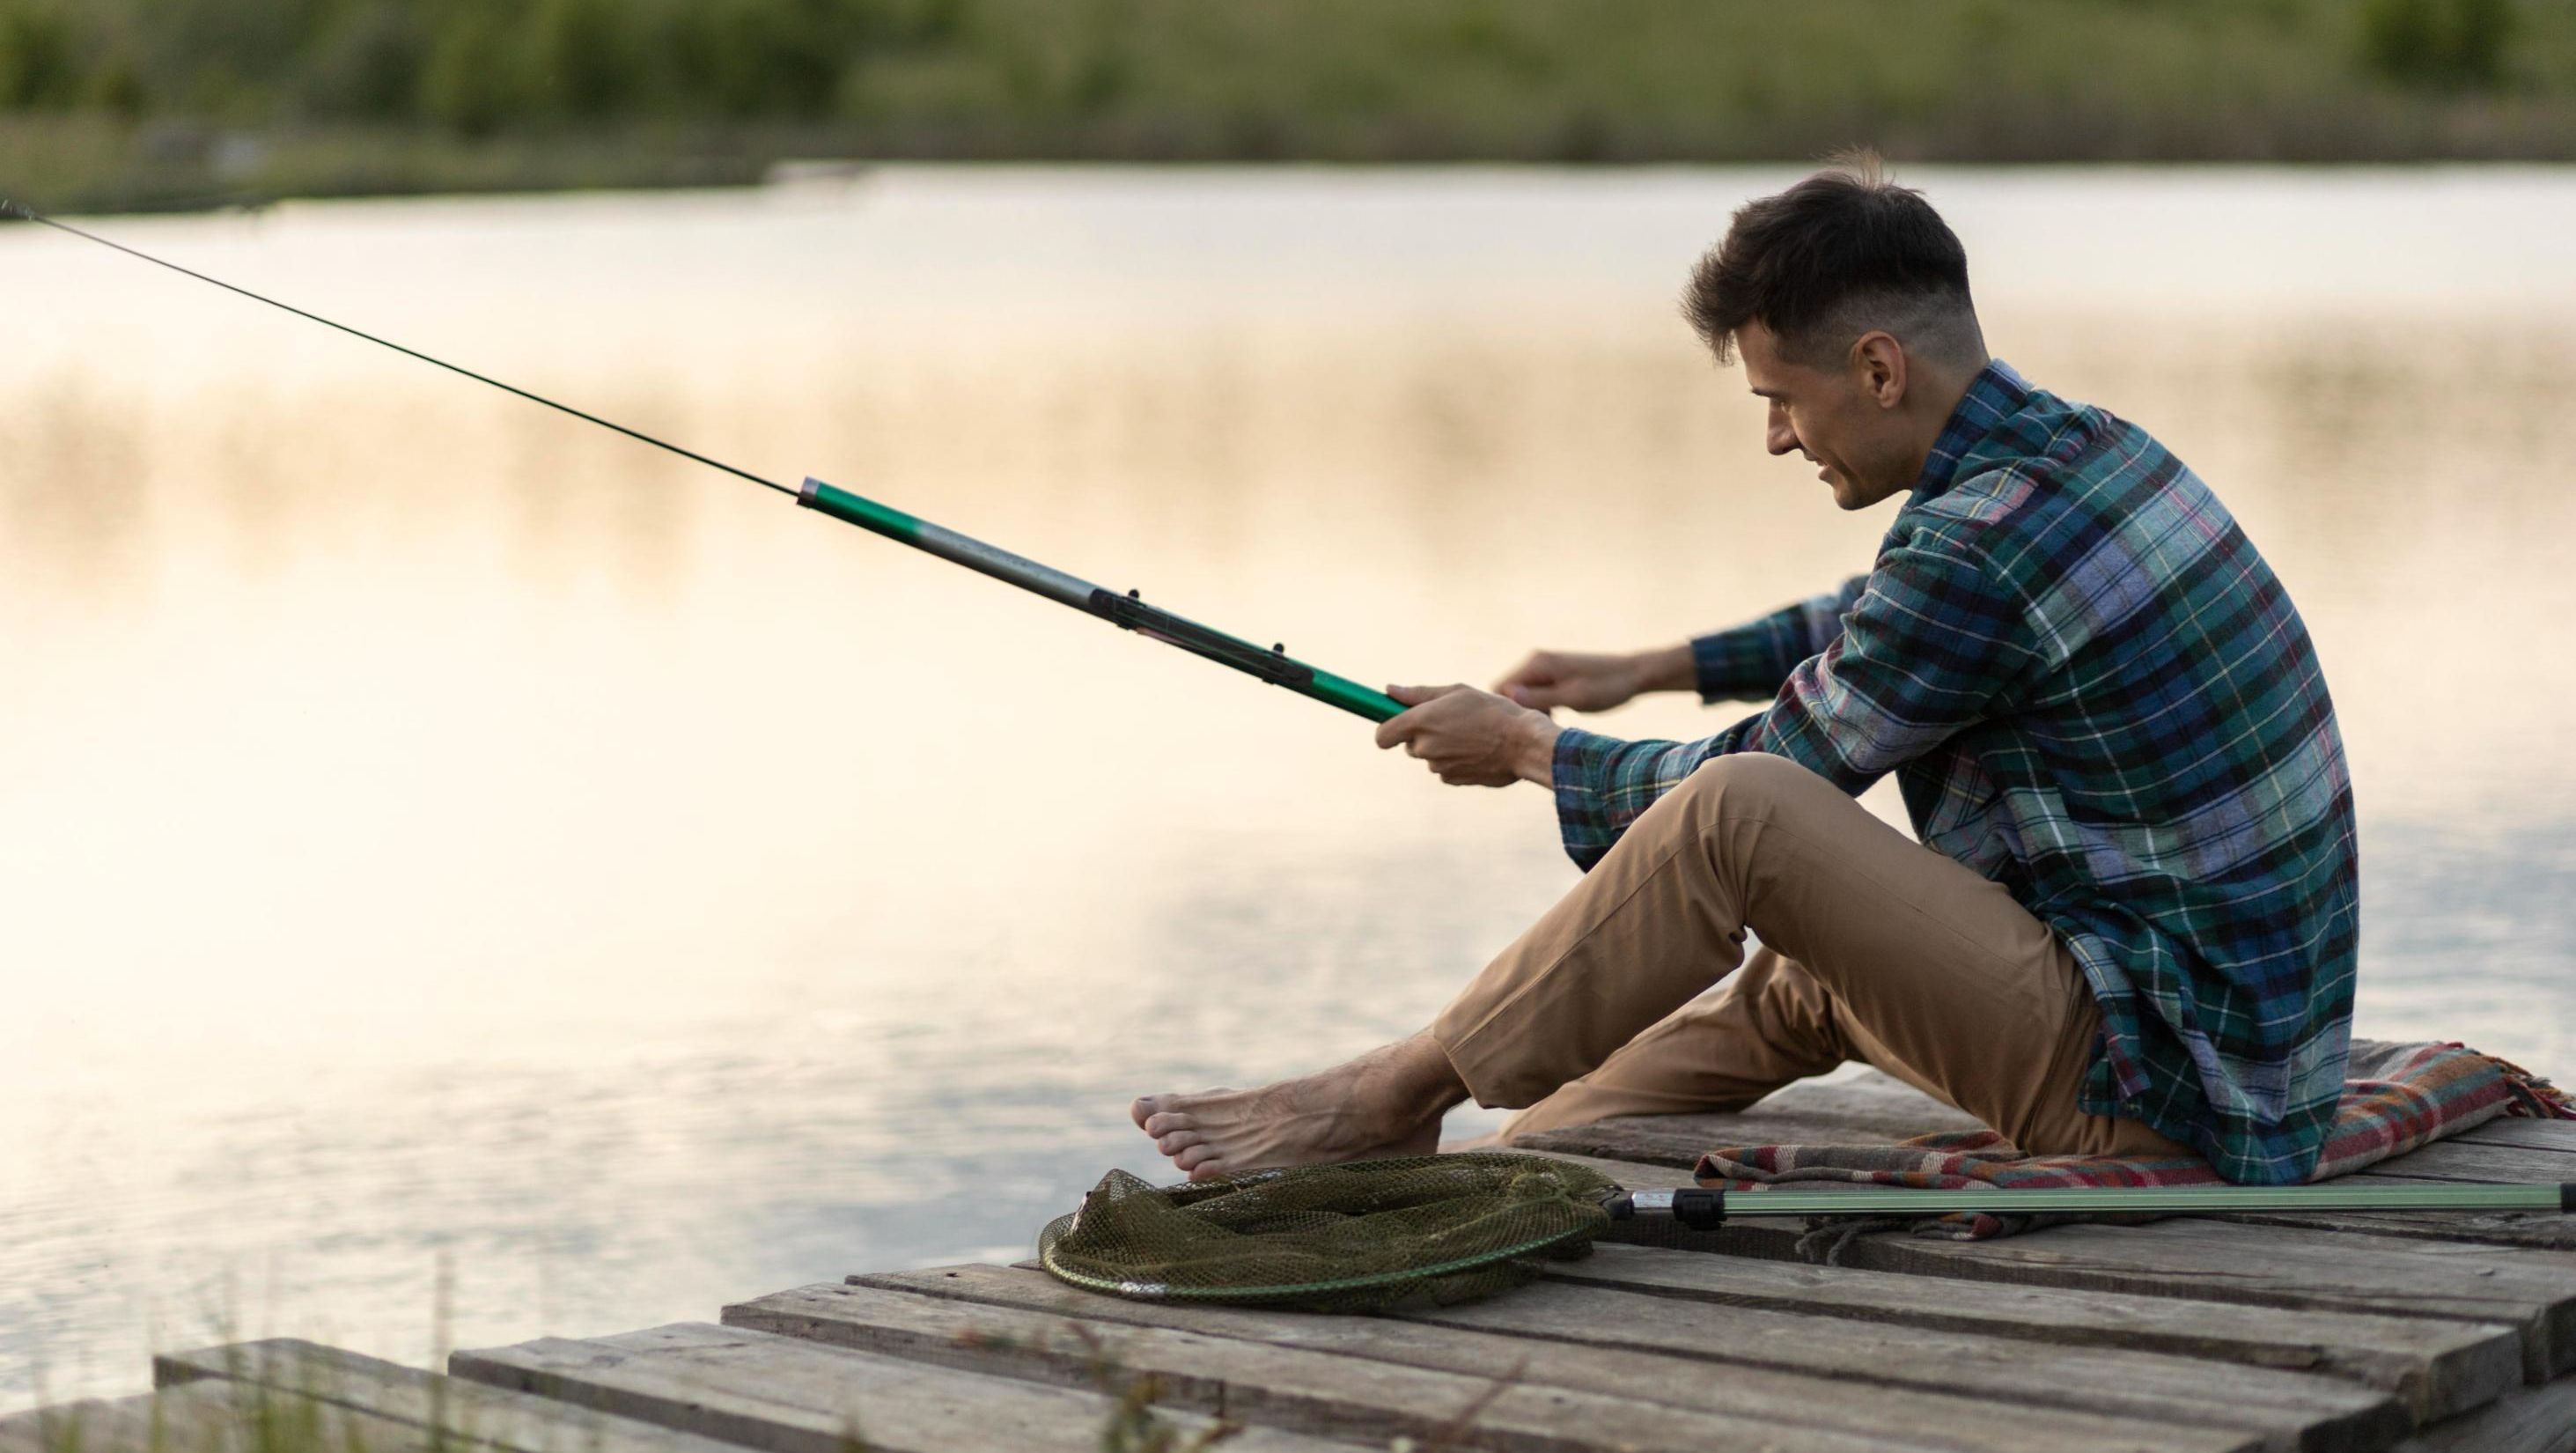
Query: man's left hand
(1472, 738)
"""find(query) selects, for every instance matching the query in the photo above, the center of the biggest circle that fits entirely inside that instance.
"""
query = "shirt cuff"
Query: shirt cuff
(1746, 662)
(1581, 773)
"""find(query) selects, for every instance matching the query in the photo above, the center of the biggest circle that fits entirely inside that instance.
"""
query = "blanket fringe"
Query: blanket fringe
(2534, 1098)
(1827, 1239)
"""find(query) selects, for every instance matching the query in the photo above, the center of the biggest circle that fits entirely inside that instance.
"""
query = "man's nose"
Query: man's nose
(1781, 439)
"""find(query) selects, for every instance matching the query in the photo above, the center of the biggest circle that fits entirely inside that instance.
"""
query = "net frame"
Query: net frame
(1562, 1207)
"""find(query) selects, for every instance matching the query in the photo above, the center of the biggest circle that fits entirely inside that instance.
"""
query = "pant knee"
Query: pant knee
(1741, 780)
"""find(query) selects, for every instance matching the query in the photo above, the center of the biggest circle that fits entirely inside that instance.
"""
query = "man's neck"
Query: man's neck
(1939, 403)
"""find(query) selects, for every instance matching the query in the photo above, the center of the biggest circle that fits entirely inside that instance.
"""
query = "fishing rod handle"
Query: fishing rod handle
(1275, 665)
(1128, 612)
(1692, 1206)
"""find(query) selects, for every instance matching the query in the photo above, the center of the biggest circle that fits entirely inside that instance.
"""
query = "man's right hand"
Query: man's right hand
(1587, 681)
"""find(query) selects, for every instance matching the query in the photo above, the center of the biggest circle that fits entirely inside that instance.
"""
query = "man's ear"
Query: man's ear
(1880, 361)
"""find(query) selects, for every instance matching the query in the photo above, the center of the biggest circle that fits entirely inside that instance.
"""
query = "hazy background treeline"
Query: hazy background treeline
(144, 102)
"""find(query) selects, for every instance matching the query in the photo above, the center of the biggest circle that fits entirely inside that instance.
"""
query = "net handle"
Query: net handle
(1703, 1209)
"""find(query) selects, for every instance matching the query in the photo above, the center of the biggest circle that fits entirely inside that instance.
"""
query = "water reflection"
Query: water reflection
(74, 505)
(431, 826)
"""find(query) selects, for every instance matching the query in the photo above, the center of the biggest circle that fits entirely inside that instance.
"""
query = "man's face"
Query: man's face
(1844, 419)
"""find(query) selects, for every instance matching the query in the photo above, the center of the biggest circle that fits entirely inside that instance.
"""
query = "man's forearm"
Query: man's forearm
(1664, 668)
(1667, 668)
(1534, 759)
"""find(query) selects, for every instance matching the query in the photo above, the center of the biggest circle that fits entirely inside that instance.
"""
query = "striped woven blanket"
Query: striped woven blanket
(2396, 1097)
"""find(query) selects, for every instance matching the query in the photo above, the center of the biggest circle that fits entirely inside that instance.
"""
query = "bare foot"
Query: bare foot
(1386, 1102)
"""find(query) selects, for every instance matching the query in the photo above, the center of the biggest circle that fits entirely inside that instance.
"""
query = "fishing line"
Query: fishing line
(20, 209)
(1127, 611)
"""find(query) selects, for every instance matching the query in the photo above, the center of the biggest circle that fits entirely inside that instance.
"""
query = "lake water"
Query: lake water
(464, 875)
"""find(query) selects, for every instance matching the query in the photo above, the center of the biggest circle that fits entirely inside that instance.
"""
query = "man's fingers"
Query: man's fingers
(1537, 682)
(1446, 731)
(1398, 730)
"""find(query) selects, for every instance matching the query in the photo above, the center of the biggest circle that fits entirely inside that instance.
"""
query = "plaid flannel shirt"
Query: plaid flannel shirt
(2094, 692)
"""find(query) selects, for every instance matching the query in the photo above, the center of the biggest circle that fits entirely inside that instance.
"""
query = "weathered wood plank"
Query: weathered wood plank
(450, 1408)
(2436, 1369)
(2531, 1420)
(207, 1418)
(1870, 1099)
(45, 1429)
(2287, 1409)
(122, 1425)
(2478, 1160)
(1379, 1377)
(1867, 1108)
(2482, 1154)
(2534, 1292)
(1680, 1140)
(2558, 1135)
(2290, 1410)
(2529, 1230)
(790, 1396)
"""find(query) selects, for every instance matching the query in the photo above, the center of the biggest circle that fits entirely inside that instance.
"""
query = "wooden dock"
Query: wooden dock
(2338, 1333)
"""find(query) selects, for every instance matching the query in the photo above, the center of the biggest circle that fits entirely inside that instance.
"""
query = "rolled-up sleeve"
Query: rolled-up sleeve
(1603, 783)
(1751, 661)
(1928, 646)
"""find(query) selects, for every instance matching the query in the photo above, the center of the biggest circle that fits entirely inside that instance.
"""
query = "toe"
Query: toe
(1176, 1142)
(1167, 1121)
(1144, 1108)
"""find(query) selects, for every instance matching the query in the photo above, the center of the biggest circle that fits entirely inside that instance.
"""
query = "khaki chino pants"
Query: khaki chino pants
(1872, 947)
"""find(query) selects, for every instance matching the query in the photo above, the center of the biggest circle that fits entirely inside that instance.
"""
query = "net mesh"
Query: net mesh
(1358, 1237)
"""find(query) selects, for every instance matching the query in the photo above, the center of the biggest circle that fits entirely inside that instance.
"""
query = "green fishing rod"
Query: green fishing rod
(1702, 1209)
(1128, 611)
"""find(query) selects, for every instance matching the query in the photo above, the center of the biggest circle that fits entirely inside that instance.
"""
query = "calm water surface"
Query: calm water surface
(434, 832)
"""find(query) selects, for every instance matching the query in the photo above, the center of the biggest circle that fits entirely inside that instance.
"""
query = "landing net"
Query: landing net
(1359, 1237)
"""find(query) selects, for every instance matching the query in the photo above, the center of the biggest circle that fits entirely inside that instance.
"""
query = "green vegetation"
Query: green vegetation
(139, 102)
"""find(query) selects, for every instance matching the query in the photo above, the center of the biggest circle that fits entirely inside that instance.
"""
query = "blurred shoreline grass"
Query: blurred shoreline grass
(130, 104)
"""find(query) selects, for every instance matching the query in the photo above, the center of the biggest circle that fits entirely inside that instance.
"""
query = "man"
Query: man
(2130, 924)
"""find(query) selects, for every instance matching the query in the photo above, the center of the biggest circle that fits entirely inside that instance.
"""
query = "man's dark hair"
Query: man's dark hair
(1838, 255)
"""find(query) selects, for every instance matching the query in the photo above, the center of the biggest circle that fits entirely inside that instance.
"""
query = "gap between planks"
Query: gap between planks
(1556, 1325)
(2435, 1369)
(781, 1393)
(1659, 1396)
